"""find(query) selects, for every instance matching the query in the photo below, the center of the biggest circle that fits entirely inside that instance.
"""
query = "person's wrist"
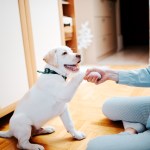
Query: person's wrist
(112, 75)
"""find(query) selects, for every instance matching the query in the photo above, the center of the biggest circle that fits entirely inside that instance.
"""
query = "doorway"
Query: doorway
(134, 22)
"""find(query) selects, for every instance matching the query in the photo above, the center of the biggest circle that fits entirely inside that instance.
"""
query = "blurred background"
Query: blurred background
(105, 32)
(119, 29)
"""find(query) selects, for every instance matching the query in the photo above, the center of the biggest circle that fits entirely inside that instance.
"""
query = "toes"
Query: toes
(42, 131)
(38, 147)
(30, 146)
(79, 135)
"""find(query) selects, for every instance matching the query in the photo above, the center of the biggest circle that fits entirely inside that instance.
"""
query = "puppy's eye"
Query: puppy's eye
(64, 53)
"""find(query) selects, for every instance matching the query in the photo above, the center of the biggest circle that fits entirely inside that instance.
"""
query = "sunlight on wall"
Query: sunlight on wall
(45, 27)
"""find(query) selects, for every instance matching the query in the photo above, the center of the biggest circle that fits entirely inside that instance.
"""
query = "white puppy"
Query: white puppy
(46, 99)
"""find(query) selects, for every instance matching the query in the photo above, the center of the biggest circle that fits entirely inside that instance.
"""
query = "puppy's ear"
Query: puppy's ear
(50, 58)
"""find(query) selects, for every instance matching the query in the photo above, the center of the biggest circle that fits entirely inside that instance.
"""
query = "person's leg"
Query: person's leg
(133, 111)
(121, 142)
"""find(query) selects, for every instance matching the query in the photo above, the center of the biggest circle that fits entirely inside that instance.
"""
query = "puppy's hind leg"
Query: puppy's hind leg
(21, 127)
(23, 135)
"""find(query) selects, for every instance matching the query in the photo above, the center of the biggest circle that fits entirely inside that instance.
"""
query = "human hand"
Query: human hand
(96, 75)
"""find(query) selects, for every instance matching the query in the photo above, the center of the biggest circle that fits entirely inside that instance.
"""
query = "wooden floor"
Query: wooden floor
(136, 55)
(85, 109)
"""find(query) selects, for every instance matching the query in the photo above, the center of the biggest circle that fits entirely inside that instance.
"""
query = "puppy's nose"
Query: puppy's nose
(78, 56)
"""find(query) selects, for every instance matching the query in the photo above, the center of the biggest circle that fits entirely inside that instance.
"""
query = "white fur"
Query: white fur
(48, 98)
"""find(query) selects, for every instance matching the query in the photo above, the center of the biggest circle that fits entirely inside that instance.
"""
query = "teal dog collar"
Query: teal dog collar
(48, 71)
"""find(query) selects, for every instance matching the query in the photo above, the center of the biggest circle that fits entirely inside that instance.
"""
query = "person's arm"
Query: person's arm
(138, 77)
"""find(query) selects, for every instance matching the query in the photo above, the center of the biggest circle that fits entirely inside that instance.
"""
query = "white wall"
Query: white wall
(45, 26)
(13, 74)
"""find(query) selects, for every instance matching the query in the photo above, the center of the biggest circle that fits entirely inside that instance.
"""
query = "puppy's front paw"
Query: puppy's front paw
(79, 135)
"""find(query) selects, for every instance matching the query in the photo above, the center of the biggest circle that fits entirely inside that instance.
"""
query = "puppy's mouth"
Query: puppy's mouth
(73, 67)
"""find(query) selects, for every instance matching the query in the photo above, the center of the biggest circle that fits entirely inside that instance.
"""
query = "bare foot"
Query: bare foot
(131, 131)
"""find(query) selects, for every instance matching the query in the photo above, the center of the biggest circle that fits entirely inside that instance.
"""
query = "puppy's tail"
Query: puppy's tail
(6, 134)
